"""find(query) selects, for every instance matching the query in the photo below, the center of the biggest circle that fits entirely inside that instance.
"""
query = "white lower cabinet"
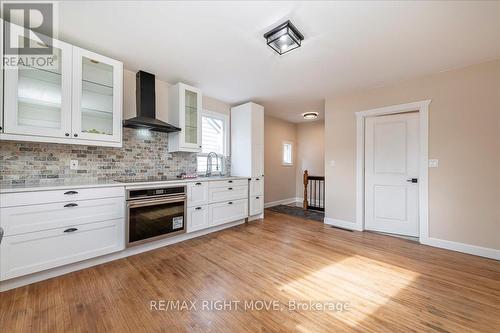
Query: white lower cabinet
(257, 186)
(197, 194)
(47, 229)
(224, 212)
(256, 205)
(23, 219)
(36, 251)
(197, 218)
(219, 194)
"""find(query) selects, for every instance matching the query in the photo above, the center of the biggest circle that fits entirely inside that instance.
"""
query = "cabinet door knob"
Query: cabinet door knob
(75, 135)
(71, 230)
(71, 205)
(230, 203)
(67, 134)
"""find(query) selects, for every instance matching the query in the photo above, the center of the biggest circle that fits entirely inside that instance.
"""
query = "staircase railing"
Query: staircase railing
(314, 192)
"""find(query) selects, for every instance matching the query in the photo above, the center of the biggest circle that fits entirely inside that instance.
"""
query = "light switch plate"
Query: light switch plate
(433, 163)
(73, 164)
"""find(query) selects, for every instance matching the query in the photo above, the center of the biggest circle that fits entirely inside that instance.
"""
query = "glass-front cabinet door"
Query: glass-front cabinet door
(37, 94)
(190, 103)
(97, 97)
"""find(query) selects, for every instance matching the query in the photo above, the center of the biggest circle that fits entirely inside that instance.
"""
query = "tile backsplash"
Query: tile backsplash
(144, 154)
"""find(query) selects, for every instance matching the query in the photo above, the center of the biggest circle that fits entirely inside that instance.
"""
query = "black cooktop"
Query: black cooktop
(145, 180)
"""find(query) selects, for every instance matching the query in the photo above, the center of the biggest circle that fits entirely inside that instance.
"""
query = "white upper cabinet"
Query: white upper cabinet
(77, 100)
(185, 112)
(97, 97)
(38, 100)
(247, 140)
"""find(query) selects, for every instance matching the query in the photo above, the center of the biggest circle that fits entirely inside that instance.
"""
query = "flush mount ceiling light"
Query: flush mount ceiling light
(310, 115)
(284, 38)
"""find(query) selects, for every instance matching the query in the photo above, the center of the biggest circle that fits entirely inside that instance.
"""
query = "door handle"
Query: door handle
(412, 180)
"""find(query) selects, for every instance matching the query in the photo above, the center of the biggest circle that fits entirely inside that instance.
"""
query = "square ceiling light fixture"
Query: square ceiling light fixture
(284, 38)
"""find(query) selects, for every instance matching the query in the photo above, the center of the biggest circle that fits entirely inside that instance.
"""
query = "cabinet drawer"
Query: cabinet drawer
(197, 194)
(256, 205)
(197, 218)
(225, 212)
(257, 186)
(37, 251)
(23, 219)
(228, 183)
(41, 197)
(219, 194)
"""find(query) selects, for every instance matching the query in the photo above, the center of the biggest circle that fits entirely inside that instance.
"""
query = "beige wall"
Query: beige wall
(464, 134)
(162, 87)
(310, 152)
(279, 180)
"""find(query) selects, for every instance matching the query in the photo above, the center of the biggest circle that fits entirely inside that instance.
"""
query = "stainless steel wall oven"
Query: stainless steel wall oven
(155, 213)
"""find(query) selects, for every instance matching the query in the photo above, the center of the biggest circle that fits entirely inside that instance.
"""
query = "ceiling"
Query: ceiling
(218, 46)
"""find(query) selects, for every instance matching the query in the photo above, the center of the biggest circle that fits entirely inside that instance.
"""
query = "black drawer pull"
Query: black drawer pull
(230, 203)
(229, 181)
(257, 179)
(198, 208)
(71, 205)
(198, 184)
(71, 192)
(229, 188)
(71, 230)
(257, 197)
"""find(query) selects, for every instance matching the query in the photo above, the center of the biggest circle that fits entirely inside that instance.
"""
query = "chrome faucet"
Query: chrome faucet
(209, 163)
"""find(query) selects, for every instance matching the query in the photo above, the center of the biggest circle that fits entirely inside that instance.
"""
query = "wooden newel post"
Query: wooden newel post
(305, 204)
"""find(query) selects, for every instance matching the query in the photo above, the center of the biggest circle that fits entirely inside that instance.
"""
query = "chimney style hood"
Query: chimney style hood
(146, 106)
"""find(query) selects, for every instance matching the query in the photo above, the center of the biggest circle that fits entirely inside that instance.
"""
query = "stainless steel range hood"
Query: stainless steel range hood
(146, 106)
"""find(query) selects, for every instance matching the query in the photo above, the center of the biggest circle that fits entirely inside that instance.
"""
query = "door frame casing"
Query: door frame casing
(423, 189)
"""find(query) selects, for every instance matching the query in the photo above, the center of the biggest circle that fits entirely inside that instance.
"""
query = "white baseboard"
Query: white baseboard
(280, 202)
(44, 275)
(462, 247)
(342, 224)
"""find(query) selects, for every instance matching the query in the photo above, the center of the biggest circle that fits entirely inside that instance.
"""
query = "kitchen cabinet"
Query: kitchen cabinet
(36, 251)
(1, 76)
(185, 106)
(76, 100)
(197, 194)
(256, 205)
(247, 149)
(197, 218)
(228, 211)
(97, 97)
(257, 186)
(85, 223)
(38, 99)
(212, 203)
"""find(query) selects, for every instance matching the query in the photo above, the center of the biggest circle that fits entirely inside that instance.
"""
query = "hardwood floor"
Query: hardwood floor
(389, 284)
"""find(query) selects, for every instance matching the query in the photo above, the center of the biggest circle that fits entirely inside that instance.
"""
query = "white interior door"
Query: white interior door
(391, 173)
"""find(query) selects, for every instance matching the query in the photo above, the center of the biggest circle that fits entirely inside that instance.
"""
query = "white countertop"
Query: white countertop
(107, 183)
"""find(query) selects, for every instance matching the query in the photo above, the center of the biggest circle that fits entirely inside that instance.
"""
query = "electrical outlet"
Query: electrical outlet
(433, 163)
(73, 164)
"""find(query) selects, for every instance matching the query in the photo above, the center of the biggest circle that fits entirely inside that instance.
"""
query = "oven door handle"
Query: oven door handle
(152, 202)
